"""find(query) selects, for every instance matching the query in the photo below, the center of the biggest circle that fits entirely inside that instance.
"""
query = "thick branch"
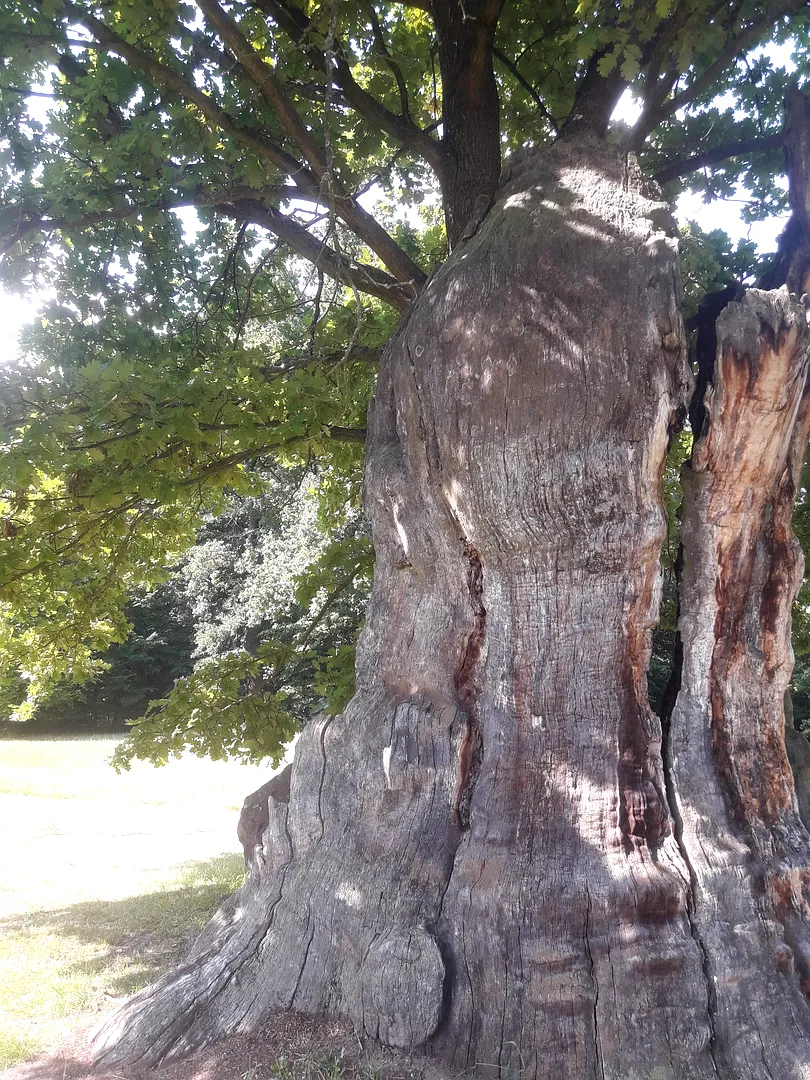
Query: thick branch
(364, 225)
(45, 224)
(241, 204)
(33, 219)
(391, 64)
(366, 279)
(24, 38)
(796, 138)
(346, 434)
(746, 39)
(756, 145)
(512, 68)
(284, 364)
(660, 48)
(262, 75)
(470, 107)
(595, 99)
(791, 266)
(402, 128)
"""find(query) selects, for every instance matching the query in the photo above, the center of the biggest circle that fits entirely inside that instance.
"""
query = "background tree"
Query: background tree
(496, 850)
(134, 672)
(276, 606)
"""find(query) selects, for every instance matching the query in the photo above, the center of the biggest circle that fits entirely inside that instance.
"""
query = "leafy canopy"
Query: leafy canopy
(323, 161)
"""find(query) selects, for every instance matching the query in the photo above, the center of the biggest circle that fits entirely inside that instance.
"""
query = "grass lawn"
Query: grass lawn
(105, 878)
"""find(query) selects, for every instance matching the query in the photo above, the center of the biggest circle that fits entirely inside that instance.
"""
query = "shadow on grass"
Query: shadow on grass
(138, 936)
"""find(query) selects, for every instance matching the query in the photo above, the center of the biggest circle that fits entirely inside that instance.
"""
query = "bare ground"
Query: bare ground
(289, 1047)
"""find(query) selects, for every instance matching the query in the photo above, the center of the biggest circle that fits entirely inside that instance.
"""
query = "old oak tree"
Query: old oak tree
(496, 850)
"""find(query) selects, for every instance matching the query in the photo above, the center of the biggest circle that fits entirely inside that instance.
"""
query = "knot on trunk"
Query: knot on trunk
(399, 995)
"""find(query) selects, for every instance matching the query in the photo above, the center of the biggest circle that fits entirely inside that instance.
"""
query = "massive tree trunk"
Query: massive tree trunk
(494, 853)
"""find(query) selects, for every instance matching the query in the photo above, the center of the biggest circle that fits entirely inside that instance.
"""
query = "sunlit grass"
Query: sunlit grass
(57, 964)
(107, 879)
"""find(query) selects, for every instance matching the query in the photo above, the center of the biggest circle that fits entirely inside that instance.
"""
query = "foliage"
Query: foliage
(709, 262)
(118, 509)
(800, 693)
(679, 451)
(267, 603)
(232, 206)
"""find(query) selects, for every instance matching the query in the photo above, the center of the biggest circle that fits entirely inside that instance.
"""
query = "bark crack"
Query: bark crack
(600, 1065)
(471, 746)
(322, 743)
(691, 899)
(282, 875)
(467, 967)
(303, 966)
(504, 1006)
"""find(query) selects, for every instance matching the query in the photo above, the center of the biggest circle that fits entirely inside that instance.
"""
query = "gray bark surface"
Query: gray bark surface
(494, 853)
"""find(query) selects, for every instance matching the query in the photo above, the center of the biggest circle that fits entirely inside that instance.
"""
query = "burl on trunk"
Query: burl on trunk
(494, 853)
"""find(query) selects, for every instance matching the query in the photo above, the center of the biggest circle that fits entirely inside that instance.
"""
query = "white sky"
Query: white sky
(15, 311)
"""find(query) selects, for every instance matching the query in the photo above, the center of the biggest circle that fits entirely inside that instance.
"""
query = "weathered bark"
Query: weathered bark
(488, 855)
(255, 815)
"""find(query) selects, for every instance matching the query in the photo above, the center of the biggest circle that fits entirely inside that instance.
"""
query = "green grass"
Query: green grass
(304, 1067)
(107, 879)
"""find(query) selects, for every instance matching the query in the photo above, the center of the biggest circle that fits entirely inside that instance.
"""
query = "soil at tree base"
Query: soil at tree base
(289, 1047)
